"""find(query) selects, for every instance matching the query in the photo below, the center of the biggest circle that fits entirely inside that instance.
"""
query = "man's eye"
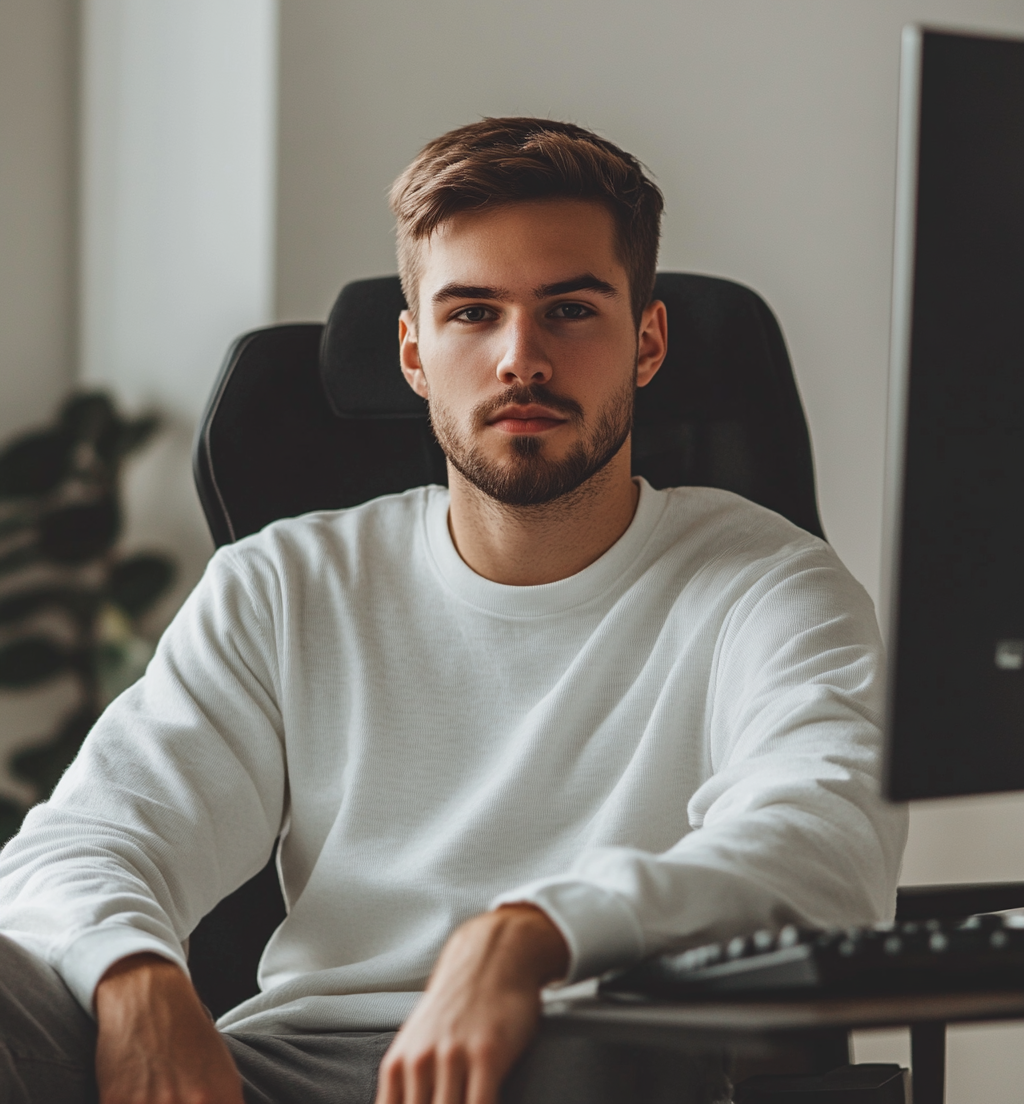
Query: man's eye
(572, 311)
(474, 314)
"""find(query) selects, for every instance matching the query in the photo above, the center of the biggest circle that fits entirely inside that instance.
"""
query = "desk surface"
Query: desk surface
(759, 1026)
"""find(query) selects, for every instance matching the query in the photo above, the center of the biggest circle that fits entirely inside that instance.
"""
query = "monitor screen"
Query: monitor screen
(955, 464)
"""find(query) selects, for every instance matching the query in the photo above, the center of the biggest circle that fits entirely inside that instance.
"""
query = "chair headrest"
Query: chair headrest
(359, 353)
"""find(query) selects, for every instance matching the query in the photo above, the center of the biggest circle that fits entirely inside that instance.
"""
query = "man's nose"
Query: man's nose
(523, 359)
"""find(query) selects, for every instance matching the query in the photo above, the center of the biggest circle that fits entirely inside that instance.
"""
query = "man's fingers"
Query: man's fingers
(389, 1082)
(419, 1079)
(482, 1083)
(440, 1076)
(450, 1078)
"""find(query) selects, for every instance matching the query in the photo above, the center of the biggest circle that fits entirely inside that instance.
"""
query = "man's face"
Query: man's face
(526, 348)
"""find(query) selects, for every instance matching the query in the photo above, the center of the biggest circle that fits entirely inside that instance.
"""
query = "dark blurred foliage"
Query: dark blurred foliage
(69, 602)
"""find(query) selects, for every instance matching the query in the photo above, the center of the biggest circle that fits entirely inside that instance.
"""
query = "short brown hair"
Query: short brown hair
(500, 161)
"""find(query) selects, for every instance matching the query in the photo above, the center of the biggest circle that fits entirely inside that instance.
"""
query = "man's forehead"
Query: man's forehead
(539, 248)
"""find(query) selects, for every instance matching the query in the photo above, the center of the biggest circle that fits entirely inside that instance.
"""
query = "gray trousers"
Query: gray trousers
(47, 1043)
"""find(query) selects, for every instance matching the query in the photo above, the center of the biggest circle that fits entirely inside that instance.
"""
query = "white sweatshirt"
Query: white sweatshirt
(679, 743)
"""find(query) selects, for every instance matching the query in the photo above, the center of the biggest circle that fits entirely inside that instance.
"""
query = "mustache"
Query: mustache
(517, 395)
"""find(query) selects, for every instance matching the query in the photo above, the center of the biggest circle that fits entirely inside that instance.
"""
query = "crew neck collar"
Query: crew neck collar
(547, 598)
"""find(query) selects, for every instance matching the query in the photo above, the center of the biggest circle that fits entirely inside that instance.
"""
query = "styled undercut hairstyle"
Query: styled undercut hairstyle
(496, 162)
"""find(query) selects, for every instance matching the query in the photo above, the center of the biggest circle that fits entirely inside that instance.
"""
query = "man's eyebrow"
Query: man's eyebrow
(586, 281)
(468, 291)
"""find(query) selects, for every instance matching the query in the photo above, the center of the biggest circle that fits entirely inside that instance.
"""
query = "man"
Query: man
(510, 734)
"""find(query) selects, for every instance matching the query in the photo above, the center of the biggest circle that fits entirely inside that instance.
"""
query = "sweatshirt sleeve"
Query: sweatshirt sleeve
(174, 800)
(789, 825)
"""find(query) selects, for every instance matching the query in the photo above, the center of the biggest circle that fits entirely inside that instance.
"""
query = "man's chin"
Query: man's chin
(528, 469)
(517, 453)
(531, 480)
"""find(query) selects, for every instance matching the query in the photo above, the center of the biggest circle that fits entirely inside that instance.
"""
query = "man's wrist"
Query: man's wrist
(534, 937)
(138, 974)
(515, 946)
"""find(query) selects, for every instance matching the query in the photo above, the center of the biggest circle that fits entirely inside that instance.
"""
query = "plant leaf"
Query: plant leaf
(80, 533)
(86, 415)
(138, 581)
(11, 816)
(79, 602)
(32, 660)
(17, 522)
(35, 463)
(120, 665)
(133, 435)
(19, 558)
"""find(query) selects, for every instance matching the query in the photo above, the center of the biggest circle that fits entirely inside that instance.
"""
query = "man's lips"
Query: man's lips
(526, 419)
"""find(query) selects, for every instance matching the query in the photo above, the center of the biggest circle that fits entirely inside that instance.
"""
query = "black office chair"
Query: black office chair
(307, 416)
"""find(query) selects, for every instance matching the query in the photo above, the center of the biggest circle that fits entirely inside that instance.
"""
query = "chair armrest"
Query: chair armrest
(923, 902)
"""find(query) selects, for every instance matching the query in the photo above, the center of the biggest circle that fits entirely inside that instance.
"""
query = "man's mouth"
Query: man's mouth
(532, 418)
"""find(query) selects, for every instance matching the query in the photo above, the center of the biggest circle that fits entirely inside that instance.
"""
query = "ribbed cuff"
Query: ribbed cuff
(598, 924)
(90, 956)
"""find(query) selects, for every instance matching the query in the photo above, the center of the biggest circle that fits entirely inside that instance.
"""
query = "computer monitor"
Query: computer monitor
(955, 465)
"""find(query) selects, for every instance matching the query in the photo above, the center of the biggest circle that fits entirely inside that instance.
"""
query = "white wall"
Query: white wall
(771, 127)
(37, 249)
(38, 70)
(178, 115)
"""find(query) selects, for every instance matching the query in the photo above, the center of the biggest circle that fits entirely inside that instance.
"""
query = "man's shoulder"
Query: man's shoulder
(730, 546)
(713, 522)
(378, 528)
(745, 560)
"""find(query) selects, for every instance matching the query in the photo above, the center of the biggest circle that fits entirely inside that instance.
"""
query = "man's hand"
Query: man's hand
(478, 1013)
(155, 1040)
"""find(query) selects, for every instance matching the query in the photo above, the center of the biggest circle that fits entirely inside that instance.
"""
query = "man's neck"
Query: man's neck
(531, 545)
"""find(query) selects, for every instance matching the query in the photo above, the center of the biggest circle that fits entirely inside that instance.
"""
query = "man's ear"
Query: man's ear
(409, 355)
(652, 342)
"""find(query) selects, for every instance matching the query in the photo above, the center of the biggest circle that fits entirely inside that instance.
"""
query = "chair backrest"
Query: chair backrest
(310, 416)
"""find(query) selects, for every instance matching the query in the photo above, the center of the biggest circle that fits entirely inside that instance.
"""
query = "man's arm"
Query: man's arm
(155, 1040)
(479, 1010)
(174, 801)
(788, 825)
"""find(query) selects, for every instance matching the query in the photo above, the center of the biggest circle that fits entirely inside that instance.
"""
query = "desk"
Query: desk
(761, 1027)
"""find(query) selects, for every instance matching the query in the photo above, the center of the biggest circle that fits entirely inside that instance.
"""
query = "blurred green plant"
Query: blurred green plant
(69, 602)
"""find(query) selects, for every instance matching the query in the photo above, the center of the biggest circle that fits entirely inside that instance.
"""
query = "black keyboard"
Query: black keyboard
(913, 956)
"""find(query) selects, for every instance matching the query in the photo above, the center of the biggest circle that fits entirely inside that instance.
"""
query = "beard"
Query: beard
(528, 478)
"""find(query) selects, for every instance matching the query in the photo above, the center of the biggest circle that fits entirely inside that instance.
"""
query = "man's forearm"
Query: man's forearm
(155, 1040)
